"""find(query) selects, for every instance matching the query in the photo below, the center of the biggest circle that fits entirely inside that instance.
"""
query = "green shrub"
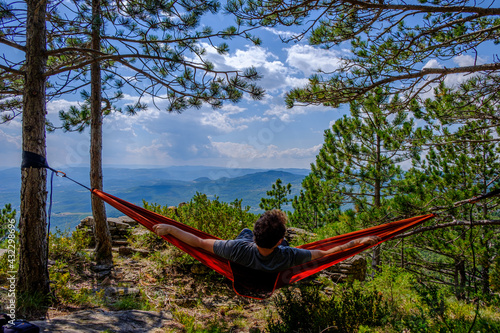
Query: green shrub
(221, 219)
(65, 246)
(308, 309)
(147, 240)
(130, 302)
(6, 216)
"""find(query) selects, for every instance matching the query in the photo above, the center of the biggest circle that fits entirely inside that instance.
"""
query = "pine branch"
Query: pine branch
(448, 225)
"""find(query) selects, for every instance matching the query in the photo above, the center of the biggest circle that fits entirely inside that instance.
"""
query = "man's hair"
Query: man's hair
(269, 228)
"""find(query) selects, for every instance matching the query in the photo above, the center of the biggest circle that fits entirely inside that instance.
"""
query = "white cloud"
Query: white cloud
(287, 114)
(453, 80)
(275, 73)
(309, 59)
(285, 34)
(433, 63)
(60, 105)
(220, 121)
(153, 153)
(9, 139)
(295, 82)
(254, 56)
(467, 60)
(247, 151)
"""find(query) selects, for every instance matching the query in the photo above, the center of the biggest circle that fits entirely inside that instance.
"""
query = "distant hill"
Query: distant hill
(166, 186)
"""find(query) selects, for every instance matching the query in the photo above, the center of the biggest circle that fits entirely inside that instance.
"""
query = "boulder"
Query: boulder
(353, 268)
(95, 321)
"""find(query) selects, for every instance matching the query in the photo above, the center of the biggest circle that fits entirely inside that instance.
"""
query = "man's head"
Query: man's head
(270, 228)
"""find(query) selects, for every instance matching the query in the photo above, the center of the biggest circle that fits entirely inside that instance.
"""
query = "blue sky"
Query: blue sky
(254, 134)
(250, 134)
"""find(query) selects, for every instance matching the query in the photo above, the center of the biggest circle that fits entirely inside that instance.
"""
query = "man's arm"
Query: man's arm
(186, 237)
(370, 240)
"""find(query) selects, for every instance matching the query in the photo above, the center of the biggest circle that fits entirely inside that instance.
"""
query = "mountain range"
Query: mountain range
(165, 186)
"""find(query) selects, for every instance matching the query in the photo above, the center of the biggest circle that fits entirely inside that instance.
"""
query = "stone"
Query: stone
(353, 268)
(124, 251)
(118, 223)
(96, 321)
(127, 251)
(120, 242)
(293, 233)
(111, 291)
(119, 228)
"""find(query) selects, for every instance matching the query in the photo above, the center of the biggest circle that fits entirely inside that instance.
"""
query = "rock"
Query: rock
(124, 251)
(110, 291)
(100, 268)
(128, 220)
(127, 251)
(173, 209)
(353, 268)
(294, 233)
(117, 223)
(119, 228)
(119, 242)
(95, 321)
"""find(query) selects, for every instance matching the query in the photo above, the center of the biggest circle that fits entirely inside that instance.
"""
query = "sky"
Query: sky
(249, 134)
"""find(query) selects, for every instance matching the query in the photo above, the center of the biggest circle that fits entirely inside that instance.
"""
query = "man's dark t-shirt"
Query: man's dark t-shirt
(244, 251)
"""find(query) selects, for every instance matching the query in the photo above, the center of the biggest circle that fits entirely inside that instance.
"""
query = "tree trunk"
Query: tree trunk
(33, 274)
(102, 235)
(462, 279)
(377, 201)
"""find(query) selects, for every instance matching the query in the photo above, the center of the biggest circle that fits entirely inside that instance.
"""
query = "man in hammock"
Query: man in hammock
(263, 249)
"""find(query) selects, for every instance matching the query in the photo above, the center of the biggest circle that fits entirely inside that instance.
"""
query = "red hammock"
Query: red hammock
(257, 284)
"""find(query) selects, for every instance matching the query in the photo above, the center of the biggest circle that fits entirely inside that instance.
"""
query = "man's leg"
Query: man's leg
(246, 235)
(284, 243)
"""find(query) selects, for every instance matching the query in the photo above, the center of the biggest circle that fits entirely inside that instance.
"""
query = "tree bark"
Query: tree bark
(103, 255)
(377, 201)
(33, 274)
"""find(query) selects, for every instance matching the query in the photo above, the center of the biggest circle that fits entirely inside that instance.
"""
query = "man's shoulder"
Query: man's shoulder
(232, 244)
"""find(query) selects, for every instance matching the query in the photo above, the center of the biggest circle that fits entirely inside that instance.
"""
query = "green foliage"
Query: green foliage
(358, 164)
(307, 309)
(495, 276)
(130, 302)
(435, 314)
(394, 301)
(6, 216)
(460, 165)
(65, 246)
(191, 326)
(147, 240)
(278, 196)
(223, 220)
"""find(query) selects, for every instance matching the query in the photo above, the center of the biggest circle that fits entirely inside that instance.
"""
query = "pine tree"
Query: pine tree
(462, 163)
(360, 159)
(278, 196)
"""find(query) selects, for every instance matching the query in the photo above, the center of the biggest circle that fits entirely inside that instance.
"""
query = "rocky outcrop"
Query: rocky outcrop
(119, 227)
(353, 268)
(293, 235)
(94, 321)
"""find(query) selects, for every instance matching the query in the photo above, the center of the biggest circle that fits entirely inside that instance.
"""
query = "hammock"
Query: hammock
(257, 284)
